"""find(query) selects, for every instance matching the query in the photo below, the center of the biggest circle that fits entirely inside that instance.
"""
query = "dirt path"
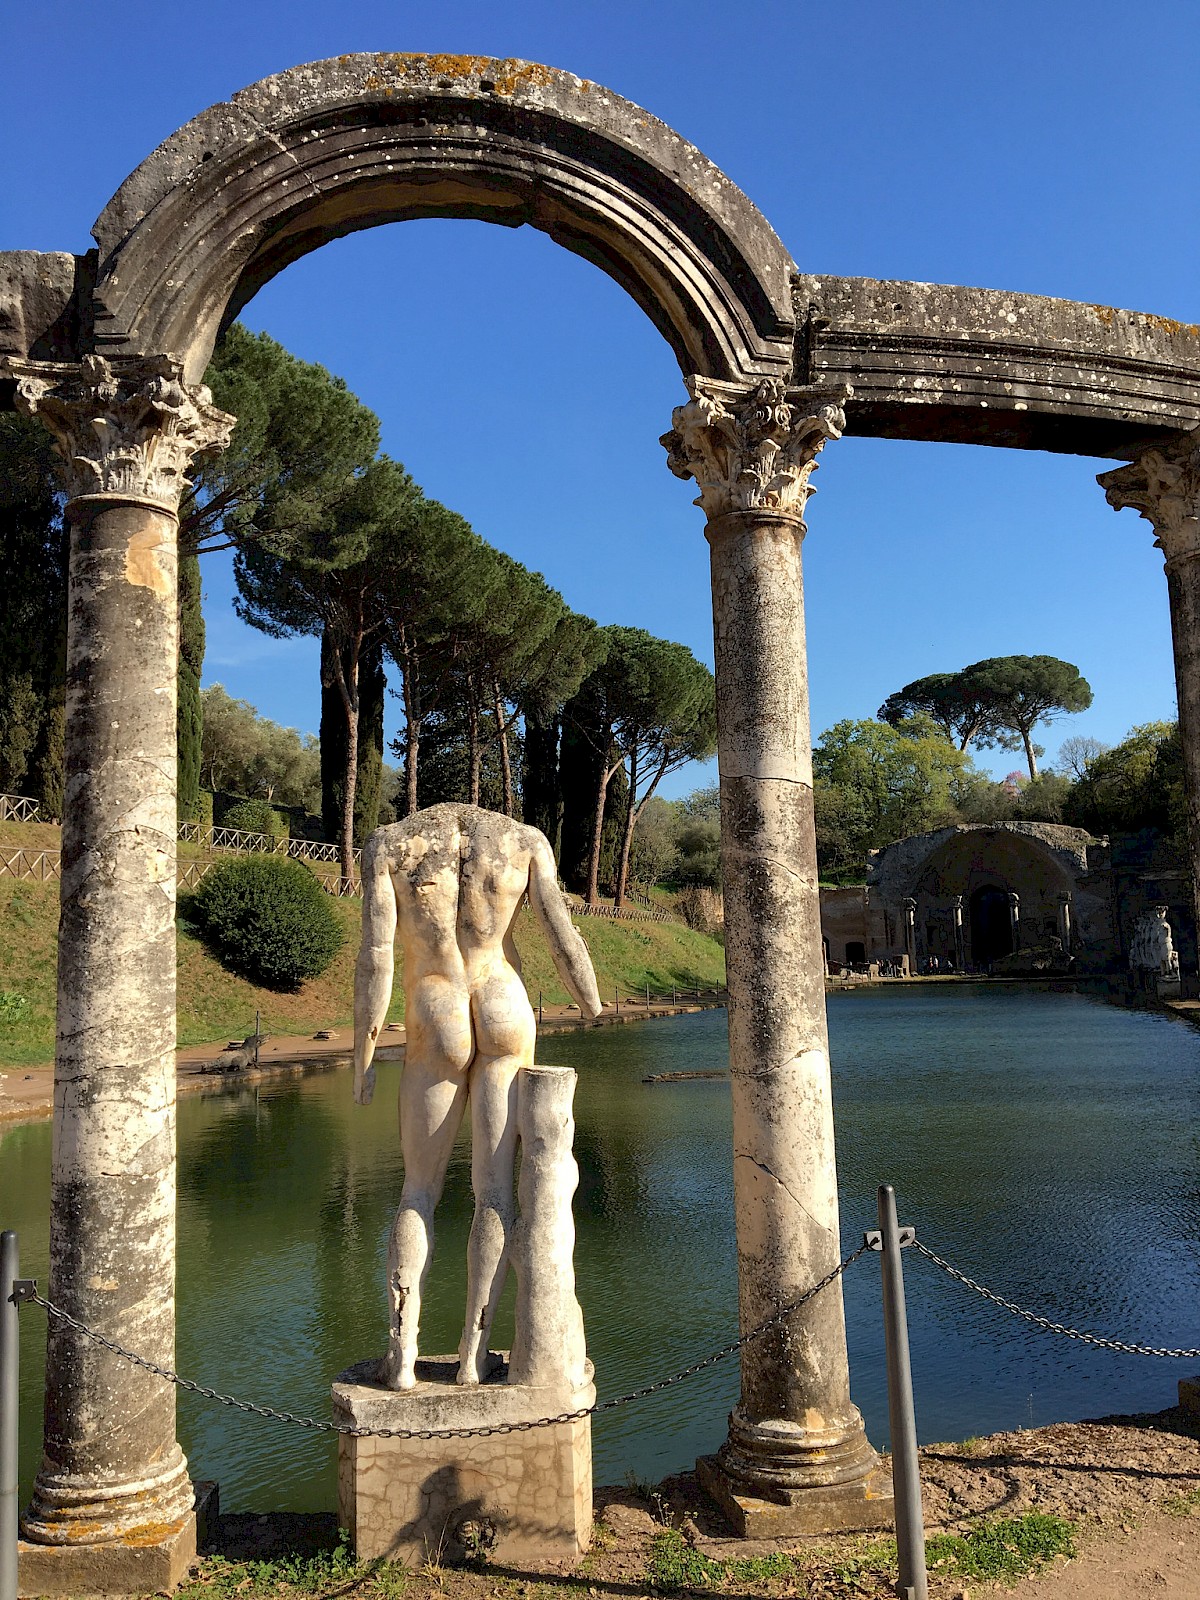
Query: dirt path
(27, 1093)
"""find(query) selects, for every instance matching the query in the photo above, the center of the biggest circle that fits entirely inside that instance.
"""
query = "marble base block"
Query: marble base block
(753, 1512)
(153, 1560)
(510, 1496)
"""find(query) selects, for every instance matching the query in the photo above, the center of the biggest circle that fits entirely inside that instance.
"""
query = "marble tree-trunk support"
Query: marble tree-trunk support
(797, 1457)
(548, 1344)
(112, 1469)
(1164, 486)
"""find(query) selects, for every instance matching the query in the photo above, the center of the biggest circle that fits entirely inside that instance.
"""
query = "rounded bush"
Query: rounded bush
(256, 816)
(269, 919)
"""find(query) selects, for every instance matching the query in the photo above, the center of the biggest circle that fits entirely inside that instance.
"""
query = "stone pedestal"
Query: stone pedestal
(513, 1496)
(861, 1501)
(148, 1561)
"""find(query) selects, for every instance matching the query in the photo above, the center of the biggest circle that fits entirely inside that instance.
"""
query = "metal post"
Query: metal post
(902, 1419)
(539, 1008)
(647, 997)
(257, 1036)
(10, 1268)
(617, 999)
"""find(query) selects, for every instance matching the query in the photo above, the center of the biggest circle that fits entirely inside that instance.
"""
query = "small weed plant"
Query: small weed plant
(1001, 1548)
(11, 1005)
(324, 1575)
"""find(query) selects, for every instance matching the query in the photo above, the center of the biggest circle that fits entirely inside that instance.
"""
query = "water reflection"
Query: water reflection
(1045, 1142)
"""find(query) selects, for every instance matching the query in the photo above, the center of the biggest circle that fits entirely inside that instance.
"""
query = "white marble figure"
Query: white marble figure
(449, 882)
(1152, 949)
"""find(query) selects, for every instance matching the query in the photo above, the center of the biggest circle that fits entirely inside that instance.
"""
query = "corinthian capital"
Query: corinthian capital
(125, 433)
(752, 449)
(1164, 486)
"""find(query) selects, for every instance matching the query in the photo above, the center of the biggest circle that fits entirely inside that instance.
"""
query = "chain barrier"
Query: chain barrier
(484, 1432)
(1045, 1322)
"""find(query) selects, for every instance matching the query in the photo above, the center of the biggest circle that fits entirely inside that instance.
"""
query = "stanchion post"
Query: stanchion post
(10, 1267)
(902, 1418)
(539, 1008)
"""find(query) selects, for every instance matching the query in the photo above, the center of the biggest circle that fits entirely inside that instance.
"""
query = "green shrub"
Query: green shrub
(268, 919)
(256, 816)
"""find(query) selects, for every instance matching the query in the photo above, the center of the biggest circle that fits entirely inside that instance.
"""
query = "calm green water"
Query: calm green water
(1044, 1142)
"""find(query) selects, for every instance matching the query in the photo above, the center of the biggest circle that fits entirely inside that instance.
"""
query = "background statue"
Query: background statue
(1152, 948)
(449, 881)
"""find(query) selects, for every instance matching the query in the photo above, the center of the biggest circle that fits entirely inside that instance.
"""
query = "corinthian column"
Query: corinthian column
(797, 1458)
(112, 1469)
(1164, 486)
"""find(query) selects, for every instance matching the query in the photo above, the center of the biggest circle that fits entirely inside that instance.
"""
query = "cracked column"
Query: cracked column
(1164, 486)
(112, 1473)
(797, 1459)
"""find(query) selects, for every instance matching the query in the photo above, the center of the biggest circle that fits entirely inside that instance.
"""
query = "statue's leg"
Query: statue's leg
(493, 1156)
(432, 1101)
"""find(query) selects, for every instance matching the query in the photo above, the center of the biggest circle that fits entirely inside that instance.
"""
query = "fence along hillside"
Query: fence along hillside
(45, 866)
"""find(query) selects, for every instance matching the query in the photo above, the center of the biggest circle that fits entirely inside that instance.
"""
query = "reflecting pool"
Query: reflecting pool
(1046, 1143)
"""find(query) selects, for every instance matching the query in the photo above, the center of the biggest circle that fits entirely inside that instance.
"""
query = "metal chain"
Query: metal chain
(1045, 1322)
(483, 1432)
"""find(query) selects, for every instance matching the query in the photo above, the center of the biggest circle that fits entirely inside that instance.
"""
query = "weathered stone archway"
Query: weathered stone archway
(107, 348)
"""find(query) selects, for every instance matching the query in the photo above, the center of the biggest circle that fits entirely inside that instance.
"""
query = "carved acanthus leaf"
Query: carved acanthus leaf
(1164, 486)
(129, 433)
(752, 449)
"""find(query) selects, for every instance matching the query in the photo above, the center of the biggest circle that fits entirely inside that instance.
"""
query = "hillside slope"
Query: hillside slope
(216, 1005)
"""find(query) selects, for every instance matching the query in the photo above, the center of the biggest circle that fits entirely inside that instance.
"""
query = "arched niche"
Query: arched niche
(326, 149)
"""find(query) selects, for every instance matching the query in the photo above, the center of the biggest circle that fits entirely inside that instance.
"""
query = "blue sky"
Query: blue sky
(1048, 148)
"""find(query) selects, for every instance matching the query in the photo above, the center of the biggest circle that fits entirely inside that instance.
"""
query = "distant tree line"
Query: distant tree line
(910, 770)
(509, 698)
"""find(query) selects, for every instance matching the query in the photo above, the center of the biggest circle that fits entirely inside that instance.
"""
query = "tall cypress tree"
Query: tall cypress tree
(542, 801)
(372, 688)
(190, 717)
(33, 613)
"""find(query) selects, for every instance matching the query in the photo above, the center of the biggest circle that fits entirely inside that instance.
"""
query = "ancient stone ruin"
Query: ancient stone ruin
(108, 349)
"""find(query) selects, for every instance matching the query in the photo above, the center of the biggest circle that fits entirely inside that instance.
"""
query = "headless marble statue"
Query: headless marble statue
(449, 882)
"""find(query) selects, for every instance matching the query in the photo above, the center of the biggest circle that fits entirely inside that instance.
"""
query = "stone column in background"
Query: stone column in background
(1064, 922)
(797, 1457)
(1164, 486)
(960, 946)
(112, 1468)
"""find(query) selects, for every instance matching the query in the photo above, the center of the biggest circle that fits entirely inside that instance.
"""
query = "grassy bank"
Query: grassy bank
(214, 1004)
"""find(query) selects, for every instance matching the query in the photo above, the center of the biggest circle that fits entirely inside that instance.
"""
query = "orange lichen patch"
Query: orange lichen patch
(1149, 319)
(505, 75)
(97, 1531)
(1169, 325)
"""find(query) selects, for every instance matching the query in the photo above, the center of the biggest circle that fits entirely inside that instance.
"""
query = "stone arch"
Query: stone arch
(326, 149)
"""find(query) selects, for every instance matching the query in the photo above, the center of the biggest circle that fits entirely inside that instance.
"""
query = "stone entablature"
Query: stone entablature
(985, 366)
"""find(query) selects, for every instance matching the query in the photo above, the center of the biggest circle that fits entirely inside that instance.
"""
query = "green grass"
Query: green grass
(215, 1004)
(1186, 1504)
(328, 1573)
(1001, 1548)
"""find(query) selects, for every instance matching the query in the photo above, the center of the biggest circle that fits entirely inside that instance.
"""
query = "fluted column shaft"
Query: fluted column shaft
(794, 1429)
(112, 1466)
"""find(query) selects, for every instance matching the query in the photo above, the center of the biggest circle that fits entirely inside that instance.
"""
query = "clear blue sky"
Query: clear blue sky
(1046, 147)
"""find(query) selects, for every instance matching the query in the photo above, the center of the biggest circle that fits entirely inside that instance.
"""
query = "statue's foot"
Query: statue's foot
(398, 1370)
(477, 1366)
